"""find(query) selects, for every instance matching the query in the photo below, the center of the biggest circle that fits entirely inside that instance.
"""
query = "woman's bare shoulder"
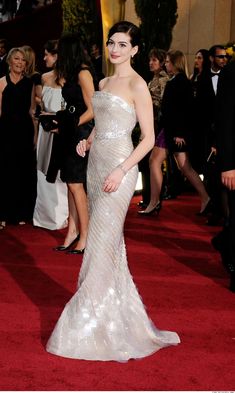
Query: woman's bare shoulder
(103, 82)
(3, 83)
(49, 79)
(137, 83)
(47, 76)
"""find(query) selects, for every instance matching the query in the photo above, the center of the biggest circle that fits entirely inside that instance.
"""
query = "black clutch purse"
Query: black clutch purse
(48, 122)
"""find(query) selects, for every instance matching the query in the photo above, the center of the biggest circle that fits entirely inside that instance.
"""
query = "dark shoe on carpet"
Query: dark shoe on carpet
(76, 252)
(148, 212)
(142, 204)
(65, 248)
(206, 209)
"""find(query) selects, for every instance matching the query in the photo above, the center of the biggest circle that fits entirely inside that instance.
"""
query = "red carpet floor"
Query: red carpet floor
(180, 278)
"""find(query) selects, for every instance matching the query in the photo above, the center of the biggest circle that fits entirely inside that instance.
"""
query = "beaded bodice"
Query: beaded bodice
(114, 117)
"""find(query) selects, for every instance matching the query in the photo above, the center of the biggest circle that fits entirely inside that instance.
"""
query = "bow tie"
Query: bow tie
(214, 74)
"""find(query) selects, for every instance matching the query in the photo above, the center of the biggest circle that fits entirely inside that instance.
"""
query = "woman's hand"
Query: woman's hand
(83, 146)
(113, 181)
(179, 141)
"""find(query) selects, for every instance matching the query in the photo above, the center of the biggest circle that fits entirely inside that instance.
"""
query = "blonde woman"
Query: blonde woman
(17, 137)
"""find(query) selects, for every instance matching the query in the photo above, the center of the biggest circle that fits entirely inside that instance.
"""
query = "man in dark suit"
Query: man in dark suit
(206, 96)
(4, 47)
(225, 144)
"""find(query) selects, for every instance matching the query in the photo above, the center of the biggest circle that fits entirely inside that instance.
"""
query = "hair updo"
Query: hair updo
(126, 27)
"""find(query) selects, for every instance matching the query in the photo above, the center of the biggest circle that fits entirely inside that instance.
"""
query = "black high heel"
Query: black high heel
(76, 252)
(64, 248)
(206, 209)
(155, 209)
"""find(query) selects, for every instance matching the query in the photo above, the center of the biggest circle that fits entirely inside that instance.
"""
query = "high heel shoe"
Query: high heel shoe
(76, 252)
(155, 209)
(206, 209)
(65, 248)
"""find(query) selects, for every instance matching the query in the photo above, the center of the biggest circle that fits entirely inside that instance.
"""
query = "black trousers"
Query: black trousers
(230, 229)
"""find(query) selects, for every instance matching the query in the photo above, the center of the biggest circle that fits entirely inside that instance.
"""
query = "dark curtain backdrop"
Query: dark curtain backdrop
(46, 23)
(34, 29)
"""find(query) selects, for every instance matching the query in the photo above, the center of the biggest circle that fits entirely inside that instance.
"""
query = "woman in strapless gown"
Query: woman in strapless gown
(51, 209)
(106, 319)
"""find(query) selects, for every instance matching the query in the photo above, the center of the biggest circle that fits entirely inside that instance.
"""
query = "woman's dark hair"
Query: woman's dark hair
(72, 57)
(51, 46)
(206, 58)
(159, 54)
(205, 65)
(126, 27)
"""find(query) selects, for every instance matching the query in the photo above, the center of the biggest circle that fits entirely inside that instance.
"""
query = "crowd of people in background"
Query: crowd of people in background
(10, 9)
(40, 164)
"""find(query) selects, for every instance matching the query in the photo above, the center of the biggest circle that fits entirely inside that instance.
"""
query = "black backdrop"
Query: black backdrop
(43, 24)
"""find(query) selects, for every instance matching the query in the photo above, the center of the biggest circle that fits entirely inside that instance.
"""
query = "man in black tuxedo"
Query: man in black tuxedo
(206, 96)
(225, 143)
(4, 47)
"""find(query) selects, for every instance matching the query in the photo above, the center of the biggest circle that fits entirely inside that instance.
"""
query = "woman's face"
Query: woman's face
(198, 61)
(154, 64)
(49, 59)
(17, 62)
(169, 66)
(120, 49)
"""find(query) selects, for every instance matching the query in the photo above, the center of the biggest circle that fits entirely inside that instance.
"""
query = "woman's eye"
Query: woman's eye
(122, 45)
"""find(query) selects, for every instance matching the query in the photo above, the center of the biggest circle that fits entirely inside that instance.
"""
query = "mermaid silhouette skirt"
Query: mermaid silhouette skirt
(106, 319)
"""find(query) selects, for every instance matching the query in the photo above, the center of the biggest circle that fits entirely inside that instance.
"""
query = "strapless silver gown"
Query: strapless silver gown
(106, 319)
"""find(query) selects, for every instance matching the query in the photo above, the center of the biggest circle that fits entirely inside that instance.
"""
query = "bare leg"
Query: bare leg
(157, 157)
(79, 213)
(73, 223)
(193, 177)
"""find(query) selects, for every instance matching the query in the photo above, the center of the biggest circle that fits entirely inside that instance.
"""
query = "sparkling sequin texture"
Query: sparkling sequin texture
(106, 319)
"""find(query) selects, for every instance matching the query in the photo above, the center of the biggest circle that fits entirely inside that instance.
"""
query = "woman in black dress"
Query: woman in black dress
(75, 75)
(17, 137)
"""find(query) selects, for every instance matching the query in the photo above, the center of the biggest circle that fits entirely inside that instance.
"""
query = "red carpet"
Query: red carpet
(180, 278)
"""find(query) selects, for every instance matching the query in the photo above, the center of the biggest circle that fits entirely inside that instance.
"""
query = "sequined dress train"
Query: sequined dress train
(106, 319)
